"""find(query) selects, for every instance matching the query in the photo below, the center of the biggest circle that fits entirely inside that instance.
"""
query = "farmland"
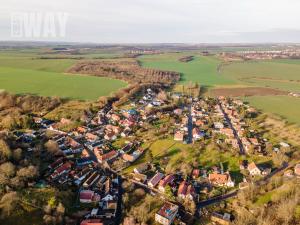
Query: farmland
(282, 75)
(25, 72)
(278, 74)
(24, 81)
(283, 106)
(201, 69)
(263, 80)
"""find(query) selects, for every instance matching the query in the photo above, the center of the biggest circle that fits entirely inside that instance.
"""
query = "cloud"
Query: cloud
(167, 20)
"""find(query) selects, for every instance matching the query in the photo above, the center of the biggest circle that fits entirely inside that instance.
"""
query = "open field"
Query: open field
(24, 81)
(279, 74)
(49, 65)
(201, 69)
(284, 106)
(245, 91)
(23, 72)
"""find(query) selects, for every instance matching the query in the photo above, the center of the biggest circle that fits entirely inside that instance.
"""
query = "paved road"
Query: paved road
(190, 126)
(217, 199)
(234, 193)
(241, 146)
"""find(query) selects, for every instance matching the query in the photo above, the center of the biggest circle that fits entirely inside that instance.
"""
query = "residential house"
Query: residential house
(64, 168)
(57, 163)
(289, 173)
(110, 136)
(134, 156)
(284, 145)
(177, 111)
(85, 153)
(179, 136)
(88, 196)
(218, 125)
(266, 171)
(82, 130)
(84, 161)
(184, 120)
(221, 179)
(197, 134)
(166, 214)
(195, 173)
(141, 168)
(186, 191)
(297, 169)
(155, 180)
(139, 177)
(91, 137)
(243, 164)
(115, 117)
(166, 181)
(227, 131)
(253, 169)
(92, 222)
(246, 143)
(91, 179)
(106, 156)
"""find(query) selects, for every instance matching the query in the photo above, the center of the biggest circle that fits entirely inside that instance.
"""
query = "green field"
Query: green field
(278, 74)
(284, 106)
(23, 72)
(24, 81)
(202, 69)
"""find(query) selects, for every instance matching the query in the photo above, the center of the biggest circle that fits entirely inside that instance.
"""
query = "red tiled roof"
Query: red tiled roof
(108, 155)
(91, 222)
(218, 178)
(252, 166)
(86, 195)
(63, 167)
(182, 188)
(168, 210)
(168, 179)
(196, 172)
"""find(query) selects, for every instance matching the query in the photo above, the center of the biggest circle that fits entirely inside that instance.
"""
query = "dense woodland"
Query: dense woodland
(16, 110)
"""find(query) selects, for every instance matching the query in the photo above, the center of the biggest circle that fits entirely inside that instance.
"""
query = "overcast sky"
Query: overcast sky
(165, 21)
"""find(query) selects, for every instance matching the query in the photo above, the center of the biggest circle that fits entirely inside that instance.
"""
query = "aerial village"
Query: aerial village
(90, 163)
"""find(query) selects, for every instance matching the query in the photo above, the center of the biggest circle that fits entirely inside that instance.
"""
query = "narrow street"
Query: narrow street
(241, 146)
(234, 193)
(190, 126)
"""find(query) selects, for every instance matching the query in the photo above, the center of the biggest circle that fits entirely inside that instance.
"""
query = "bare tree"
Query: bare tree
(8, 169)
(5, 151)
(9, 202)
(52, 147)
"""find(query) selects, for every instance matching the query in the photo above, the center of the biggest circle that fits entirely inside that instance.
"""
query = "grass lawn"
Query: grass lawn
(264, 198)
(25, 81)
(202, 69)
(161, 148)
(284, 106)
